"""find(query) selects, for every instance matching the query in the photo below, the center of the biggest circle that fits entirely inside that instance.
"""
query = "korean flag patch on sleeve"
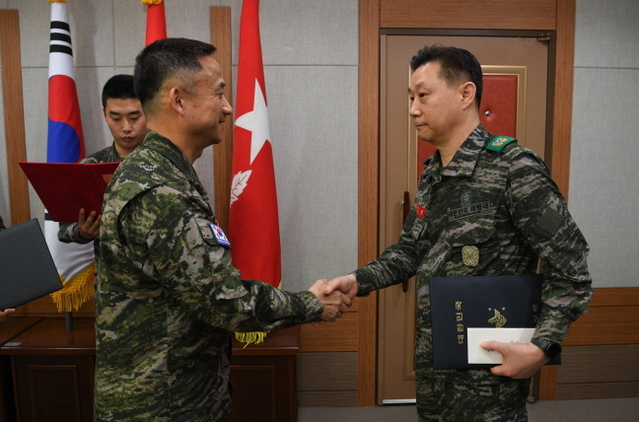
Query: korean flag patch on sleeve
(219, 235)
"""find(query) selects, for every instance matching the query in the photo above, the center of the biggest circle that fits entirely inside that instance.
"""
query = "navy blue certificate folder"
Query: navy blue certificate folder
(27, 271)
(460, 303)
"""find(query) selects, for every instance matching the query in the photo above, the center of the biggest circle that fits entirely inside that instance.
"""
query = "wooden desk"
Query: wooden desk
(53, 371)
(10, 328)
(264, 378)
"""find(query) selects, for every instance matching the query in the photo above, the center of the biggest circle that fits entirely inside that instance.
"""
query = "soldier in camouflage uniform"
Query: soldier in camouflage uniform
(484, 206)
(167, 296)
(127, 123)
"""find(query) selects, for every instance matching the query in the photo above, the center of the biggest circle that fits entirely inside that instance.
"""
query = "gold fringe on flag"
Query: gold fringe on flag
(149, 2)
(76, 291)
(57, 1)
(255, 337)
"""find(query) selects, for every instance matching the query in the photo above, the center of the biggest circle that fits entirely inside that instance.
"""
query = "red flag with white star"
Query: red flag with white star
(253, 217)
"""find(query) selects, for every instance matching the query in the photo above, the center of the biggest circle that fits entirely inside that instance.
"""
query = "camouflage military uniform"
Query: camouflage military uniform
(506, 205)
(168, 297)
(69, 232)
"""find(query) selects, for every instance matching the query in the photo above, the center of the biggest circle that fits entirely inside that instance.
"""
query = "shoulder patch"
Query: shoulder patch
(212, 233)
(499, 142)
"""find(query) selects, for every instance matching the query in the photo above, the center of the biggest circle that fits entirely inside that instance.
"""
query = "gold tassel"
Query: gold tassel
(255, 337)
(150, 2)
(75, 292)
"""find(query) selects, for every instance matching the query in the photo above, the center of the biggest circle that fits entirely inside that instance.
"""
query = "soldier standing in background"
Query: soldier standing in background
(518, 216)
(125, 118)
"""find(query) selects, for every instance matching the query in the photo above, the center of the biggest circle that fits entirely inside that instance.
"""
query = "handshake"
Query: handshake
(336, 296)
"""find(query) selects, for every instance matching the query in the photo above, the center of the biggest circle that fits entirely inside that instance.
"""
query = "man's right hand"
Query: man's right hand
(346, 284)
(89, 227)
(335, 303)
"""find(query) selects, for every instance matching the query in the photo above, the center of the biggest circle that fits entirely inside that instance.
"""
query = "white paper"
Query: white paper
(477, 354)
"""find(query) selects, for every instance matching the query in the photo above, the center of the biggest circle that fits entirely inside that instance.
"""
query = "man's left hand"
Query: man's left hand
(89, 226)
(521, 360)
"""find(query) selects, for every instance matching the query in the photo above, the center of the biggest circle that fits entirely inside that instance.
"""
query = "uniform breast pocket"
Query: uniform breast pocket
(472, 243)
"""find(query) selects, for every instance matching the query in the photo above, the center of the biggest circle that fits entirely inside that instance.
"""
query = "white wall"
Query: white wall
(310, 58)
(603, 192)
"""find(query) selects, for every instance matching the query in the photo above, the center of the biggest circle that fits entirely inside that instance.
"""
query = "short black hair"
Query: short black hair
(118, 86)
(456, 65)
(165, 59)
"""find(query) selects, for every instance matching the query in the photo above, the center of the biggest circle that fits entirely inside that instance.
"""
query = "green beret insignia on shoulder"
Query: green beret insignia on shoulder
(499, 142)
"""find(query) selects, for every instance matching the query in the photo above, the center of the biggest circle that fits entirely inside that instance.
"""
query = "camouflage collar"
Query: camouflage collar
(465, 159)
(113, 154)
(156, 142)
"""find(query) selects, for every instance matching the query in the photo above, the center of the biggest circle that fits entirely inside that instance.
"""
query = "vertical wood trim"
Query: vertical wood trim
(562, 101)
(368, 191)
(223, 152)
(14, 115)
(561, 132)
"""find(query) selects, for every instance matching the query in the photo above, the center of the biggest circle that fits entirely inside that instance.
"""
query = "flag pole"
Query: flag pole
(65, 143)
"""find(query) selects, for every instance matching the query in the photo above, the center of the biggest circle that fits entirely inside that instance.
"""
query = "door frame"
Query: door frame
(398, 15)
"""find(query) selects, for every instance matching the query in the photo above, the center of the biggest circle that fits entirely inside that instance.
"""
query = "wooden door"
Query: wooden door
(513, 104)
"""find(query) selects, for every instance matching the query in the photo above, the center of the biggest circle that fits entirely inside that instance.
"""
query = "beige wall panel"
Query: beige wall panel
(323, 32)
(604, 152)
(606, 34)
(315, 154)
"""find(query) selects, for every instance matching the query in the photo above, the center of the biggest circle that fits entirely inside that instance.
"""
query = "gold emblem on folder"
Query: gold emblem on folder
(470, 255)
(498, 320)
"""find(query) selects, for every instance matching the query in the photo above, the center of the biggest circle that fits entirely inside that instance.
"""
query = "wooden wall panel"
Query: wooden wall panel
(327, 371)
(599, 364)
(340, 336)
(223, 152)
(605, 325)
(14, 115)
(608, 390)
(327, 398)
(600, 353)
(369, 15)
(469, 14)
(327, 379)
(560, 96)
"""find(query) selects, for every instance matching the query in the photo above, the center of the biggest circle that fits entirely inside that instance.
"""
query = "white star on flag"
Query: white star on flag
(256, 122)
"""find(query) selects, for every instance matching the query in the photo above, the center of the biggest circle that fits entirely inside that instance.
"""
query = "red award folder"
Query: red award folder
(64, 188)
